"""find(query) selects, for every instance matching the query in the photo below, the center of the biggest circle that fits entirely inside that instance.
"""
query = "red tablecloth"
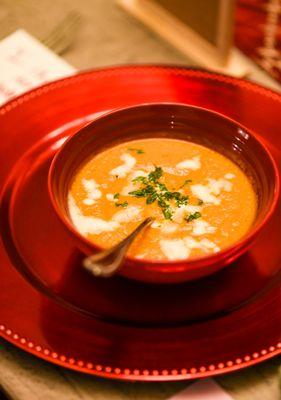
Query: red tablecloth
(258, 33)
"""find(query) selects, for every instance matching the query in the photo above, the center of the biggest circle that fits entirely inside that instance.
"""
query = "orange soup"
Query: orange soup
(201, 201)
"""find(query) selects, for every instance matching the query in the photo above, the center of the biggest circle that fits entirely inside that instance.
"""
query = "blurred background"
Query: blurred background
(95, 33)
(91, 33)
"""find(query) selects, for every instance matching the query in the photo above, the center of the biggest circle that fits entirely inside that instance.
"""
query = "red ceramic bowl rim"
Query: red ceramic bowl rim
(182, 264)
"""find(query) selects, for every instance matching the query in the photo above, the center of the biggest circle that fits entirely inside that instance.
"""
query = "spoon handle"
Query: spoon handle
(108, 262)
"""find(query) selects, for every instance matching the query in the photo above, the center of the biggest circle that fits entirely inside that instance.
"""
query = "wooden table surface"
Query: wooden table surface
(107, 36)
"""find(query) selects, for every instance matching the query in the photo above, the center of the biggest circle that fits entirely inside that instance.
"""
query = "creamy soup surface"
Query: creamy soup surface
(201, 201)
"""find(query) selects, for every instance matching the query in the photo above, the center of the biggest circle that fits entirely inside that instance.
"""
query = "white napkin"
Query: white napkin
(26, 63)
(203, 389)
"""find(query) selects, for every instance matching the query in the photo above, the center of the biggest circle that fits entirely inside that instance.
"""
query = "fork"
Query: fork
(62, 36)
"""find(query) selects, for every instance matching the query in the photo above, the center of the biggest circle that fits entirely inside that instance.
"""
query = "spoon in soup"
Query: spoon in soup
(108, 262)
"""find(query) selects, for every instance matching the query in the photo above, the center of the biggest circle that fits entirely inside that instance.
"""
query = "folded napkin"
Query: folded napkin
(26, 63)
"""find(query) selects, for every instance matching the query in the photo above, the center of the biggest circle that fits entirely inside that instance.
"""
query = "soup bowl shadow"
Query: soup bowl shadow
(178, 121)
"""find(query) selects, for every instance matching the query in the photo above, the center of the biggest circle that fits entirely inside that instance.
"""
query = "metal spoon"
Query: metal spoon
(108, 262)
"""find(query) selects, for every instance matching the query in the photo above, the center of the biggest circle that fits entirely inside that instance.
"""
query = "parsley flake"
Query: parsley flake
(141, 179)
(155, 175)
(186, 182)
(167, 212)
(124, 204)
(138, 151)
(193, 216)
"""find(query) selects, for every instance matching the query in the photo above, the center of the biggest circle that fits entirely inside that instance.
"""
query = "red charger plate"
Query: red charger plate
(119, 328)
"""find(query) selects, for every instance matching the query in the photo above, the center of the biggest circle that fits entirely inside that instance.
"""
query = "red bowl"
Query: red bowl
(177, 121)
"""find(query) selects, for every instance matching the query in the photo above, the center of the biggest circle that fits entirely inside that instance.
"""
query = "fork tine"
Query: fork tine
(71, 17)
(67, 25)
(62, 35)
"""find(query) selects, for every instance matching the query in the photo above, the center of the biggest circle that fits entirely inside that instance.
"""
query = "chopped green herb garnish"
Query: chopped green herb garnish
(124, 204)
(200, 202)
(193, 216)
(151, 198)
(140, 179)
(182, 201)
(155, 175)
(139, 193)
(116, 196)
(154, 190)
(138, 151)
(167, 212)
(185, 183)
(177, 196)
(162, 187)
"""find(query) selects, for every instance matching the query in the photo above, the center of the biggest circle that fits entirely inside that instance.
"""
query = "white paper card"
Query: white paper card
(203, 389)
(26, 63)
